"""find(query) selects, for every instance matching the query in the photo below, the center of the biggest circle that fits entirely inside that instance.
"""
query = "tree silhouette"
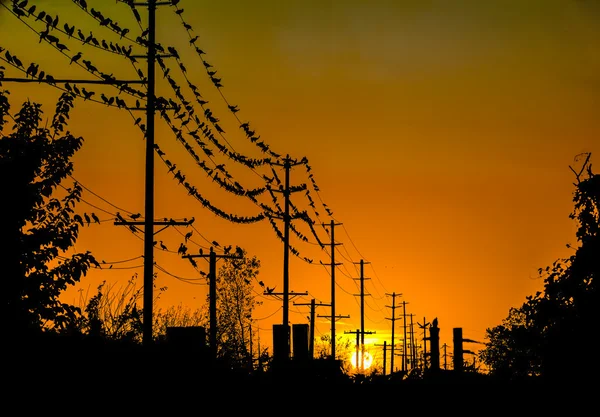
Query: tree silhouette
(38, 225)
(235, 305)
(553, 334)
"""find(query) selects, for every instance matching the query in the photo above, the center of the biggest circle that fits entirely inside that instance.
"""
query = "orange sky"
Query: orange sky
(439, 133)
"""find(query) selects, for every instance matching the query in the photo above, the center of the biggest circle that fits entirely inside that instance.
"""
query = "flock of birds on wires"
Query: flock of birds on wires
(188, 116)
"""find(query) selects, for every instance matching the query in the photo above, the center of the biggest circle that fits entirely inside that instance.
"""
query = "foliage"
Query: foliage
(38, 226)
(344, 349)
(235, 302)
(551, 334)
(113, 314)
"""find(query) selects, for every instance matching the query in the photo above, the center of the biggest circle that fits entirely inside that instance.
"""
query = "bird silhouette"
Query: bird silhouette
(135, 216)
(32, 70)
(162, 245)
(76, 57)
(95, 218)
(87, 218)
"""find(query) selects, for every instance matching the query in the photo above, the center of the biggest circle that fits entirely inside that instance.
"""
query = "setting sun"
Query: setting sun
(368, 360)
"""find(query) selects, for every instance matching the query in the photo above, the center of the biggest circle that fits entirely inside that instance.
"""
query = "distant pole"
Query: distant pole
(404, 341)
(333, 265)
(311, 342)
(313, 305)
(149, 197)
(393, 319)
(212, 295)
(384, 356)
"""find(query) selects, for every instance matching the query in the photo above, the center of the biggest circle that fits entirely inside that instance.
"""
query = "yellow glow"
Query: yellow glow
(368, 360)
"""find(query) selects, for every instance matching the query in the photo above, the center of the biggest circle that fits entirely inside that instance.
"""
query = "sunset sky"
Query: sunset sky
(439, 133)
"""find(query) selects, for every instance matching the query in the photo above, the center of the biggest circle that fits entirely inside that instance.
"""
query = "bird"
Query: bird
(69, 30)
(162, 245)
(32, 70)
(87, 218)
(76, 57)
(95, 218)
(188, 235)
(135, 216)
(87, 94)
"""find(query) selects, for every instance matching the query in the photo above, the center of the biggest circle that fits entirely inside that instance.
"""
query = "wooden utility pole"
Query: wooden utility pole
(384, 356)
(393, 319)
(404, 368)
(287, 165)
(212, 293)
(333, 265)
(311, 343)
(149, 189)
(362, 295)
(413, 343)
(424, 327)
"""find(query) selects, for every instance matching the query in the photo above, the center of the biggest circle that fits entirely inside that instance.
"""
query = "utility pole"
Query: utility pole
(313, 305)
(393, 319)
(413, 343)
(424, 327)
(404, 369)
(362, 307)
(333, 265)
(335, 318)
(212, 293)
(281, 351)
(384, 356)
(287, 165)
(149, 193)
(149, 285)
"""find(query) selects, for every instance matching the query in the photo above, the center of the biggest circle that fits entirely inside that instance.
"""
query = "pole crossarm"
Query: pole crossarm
(290, 294)
(313, 304)
(335, 318)
(359, 332)
(207, 255)
(157, 56)
(165, 223)
(68, 81)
